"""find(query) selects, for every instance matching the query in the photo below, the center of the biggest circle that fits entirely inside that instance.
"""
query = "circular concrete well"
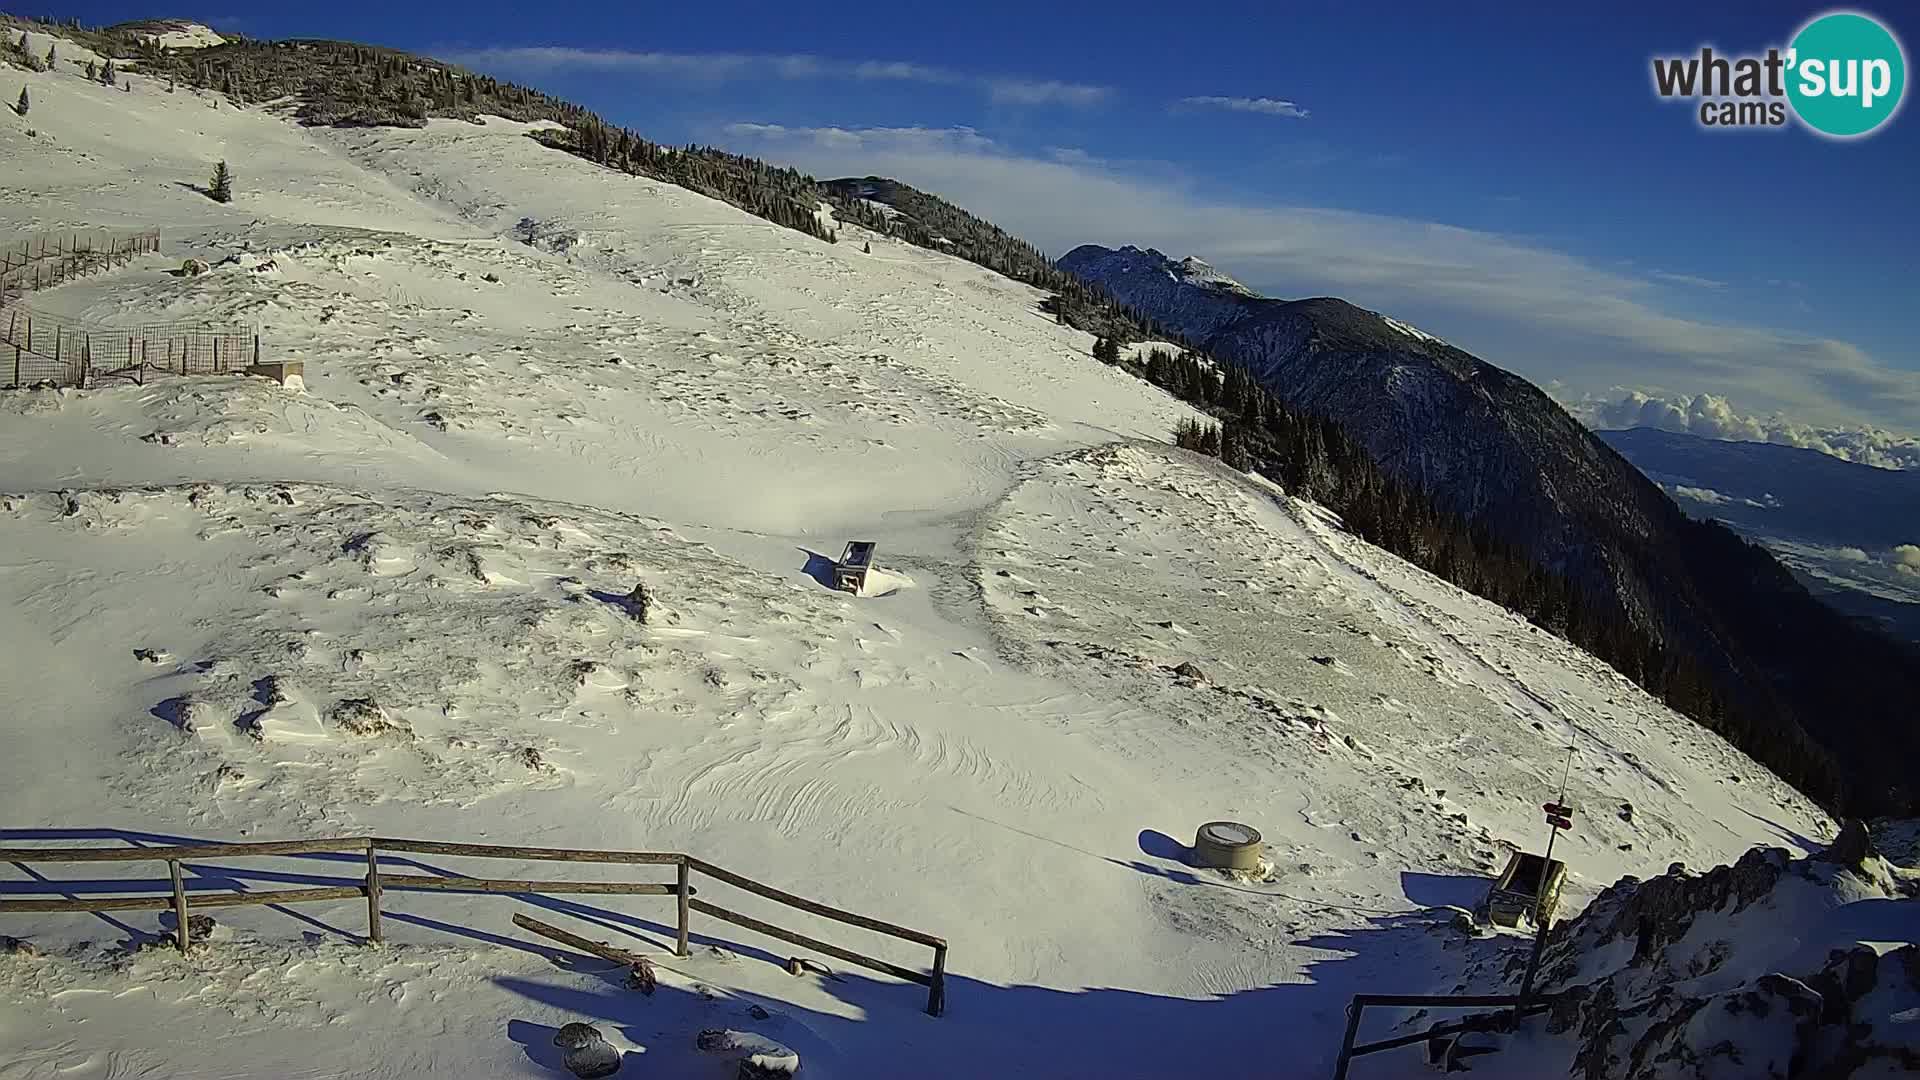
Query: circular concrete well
(1227, 845)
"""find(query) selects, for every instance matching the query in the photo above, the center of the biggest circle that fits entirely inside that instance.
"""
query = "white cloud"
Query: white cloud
(1263, 105)
(1906, 558)
(1701, 495)
(722, 67)
(1687, 279)
(1048, 92)
(1073, 155)
(1715, 417)
(963, 139)
(1543, 313)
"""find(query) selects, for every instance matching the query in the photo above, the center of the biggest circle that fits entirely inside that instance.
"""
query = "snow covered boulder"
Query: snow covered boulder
(760, 1057)
(1764, 1029)
(194, 268)
(588, 1054)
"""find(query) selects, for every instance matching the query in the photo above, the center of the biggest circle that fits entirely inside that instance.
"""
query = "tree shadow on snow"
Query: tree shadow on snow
(1805, 843)
(995, 1029)
(881, 1029)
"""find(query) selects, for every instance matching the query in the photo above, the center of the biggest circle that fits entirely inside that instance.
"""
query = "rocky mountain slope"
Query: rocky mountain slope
(1771, 663)
(1486, 441)
(1774, 966)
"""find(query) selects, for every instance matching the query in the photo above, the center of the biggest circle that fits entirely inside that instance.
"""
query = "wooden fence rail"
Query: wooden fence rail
(376, 883)
(41, 262)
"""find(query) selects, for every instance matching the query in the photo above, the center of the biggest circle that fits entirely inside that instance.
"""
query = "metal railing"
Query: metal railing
(376, 882)
(1513, 1006)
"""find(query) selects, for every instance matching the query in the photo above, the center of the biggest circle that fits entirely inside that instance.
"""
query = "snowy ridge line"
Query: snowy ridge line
(374, 883)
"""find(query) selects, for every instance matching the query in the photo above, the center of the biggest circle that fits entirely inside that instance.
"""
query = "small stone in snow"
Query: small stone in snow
(593, 1060)
(760, 1057)
(1190, 670)
(588, 1054)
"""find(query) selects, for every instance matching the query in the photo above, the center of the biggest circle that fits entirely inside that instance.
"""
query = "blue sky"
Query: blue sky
(1500, 176)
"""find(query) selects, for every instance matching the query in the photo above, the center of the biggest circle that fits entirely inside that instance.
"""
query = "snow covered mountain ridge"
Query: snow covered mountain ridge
(395, 602)
(1494, 449)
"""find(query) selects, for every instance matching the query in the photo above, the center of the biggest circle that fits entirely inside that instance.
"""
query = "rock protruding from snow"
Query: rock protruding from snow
(1745, 970)
(1852, 847)
(588, 1054)
(760, 1057)
(1191, 671)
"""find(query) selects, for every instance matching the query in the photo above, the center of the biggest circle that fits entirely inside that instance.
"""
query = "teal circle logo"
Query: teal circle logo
(1846, 74)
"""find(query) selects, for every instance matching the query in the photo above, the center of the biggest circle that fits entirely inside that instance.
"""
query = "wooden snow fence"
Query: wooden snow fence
(40, 349)
(377, 882)
(48, 259)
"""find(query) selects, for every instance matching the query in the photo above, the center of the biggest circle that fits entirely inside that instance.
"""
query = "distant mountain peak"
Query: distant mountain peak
(1192, 270)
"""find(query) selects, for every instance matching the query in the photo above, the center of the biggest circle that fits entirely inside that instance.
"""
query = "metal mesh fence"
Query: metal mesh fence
(38, 349)
(41, 349)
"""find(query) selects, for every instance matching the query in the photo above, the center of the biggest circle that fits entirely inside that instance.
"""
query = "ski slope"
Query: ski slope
(532, 384)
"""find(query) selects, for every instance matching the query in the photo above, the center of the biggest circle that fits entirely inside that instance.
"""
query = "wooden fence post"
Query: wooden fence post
(373, 895)
(179, 905)
(937, 989)
(680, 943)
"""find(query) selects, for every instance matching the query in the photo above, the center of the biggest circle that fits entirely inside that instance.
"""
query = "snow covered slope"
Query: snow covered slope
(393, 603)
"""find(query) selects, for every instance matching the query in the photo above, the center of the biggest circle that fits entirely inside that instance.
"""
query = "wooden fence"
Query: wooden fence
(376, 882)
(48, 350)
(46, 260)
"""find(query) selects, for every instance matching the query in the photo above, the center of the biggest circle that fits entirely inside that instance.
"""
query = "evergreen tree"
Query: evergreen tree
(21, 108)
(53, 55)
(92, 72)
(221, 190)
(866, 248)
(107, 74)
